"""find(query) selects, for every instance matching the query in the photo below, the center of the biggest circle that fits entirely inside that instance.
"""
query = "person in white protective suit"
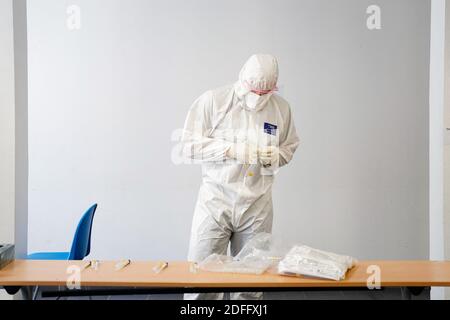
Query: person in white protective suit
(241, 134)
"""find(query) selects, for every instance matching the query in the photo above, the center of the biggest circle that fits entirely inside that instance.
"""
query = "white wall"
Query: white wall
(6, 125)
(105, 99)
(437, 61)
(446, 124)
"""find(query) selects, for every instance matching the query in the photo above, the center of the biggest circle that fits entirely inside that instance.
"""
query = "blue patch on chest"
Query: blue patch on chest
(270, 128)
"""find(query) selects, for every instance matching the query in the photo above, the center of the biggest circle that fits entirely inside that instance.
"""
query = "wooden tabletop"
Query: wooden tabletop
(140, 274)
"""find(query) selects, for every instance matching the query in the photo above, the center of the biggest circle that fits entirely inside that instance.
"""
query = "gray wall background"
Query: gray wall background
(6, 123)
(6, 126)
(104, 101)
(21, 164)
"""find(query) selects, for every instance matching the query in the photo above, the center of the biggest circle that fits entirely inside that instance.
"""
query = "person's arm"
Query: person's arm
(198, 145)
(289, 141)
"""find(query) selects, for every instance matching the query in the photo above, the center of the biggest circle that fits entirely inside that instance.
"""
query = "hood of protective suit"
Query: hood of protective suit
(257, 81)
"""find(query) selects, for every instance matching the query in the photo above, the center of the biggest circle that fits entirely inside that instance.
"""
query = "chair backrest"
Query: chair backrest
(81, 245)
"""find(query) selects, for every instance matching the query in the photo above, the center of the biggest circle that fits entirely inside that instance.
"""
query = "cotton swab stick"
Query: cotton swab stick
(160, 267)
(122, 264)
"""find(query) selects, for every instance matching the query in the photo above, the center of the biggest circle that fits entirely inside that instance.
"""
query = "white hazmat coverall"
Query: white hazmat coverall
(226, 130)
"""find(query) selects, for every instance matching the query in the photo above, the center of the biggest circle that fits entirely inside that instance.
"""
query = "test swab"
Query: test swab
(86, 265)
(94, 264)
(122, 264)
(160, 267)
(193, 267)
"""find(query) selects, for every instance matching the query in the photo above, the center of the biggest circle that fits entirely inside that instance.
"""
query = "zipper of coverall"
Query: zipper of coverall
(245, 172)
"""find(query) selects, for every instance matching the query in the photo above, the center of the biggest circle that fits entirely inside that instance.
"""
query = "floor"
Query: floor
(384, 294)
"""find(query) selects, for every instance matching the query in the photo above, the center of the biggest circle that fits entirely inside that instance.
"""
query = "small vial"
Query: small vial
(193, 267)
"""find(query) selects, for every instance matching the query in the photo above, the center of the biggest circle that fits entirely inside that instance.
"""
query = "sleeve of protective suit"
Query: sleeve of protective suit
(198, 145)
(289, 141)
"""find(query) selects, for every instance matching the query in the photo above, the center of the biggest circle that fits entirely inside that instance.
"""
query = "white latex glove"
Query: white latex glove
(268, 156)
(244, 153)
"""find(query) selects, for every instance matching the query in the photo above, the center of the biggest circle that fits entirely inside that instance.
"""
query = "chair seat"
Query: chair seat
(81, 243)
(49, 256)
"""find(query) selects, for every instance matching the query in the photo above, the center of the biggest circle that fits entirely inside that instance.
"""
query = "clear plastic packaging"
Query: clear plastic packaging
(257, 256)
(262, 254)
(222, 263)
(307, 261)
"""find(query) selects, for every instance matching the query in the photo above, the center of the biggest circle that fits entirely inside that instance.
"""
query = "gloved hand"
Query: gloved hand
(268, 156)
(244, 153)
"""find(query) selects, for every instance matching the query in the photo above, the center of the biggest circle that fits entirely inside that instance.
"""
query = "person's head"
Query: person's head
(260, 73)
(258, 79)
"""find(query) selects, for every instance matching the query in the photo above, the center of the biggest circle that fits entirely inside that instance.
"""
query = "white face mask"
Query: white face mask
(253, 100)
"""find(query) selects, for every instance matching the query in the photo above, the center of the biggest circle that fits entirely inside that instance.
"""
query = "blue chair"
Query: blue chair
(81, 245)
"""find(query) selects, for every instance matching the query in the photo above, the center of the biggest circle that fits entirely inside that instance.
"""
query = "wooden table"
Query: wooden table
(138, 277)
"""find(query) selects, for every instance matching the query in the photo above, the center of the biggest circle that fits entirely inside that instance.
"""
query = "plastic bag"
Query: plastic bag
(222, 263)
(304, 260)
(256, 257)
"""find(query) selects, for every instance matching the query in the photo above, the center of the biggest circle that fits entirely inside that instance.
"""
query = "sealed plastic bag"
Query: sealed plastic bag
(257, 256)
(307, 261)
(222, 263)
